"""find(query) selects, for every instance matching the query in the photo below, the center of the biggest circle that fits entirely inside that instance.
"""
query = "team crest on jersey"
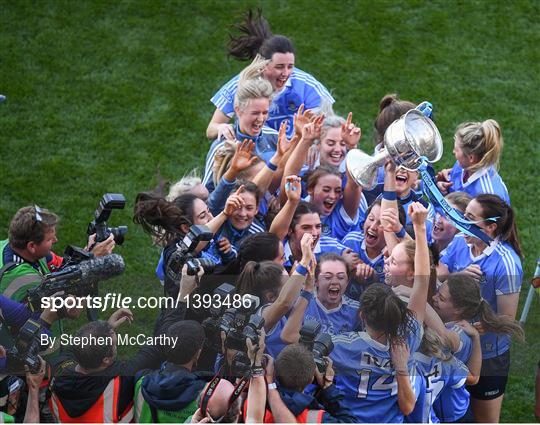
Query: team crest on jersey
(379, 268)
(326, 230)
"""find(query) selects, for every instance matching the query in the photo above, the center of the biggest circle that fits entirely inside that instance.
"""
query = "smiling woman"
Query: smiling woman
(293, 87)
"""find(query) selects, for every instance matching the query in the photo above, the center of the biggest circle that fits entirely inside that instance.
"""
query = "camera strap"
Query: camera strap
(211, 388)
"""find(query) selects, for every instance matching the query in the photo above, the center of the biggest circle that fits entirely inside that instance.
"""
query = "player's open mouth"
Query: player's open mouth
(371, 236)
(329, 205)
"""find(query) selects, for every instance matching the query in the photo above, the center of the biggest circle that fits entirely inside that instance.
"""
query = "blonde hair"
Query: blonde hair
(184, 185)
(483, 139)
(252, 84)
(432, 346)
(222, 161)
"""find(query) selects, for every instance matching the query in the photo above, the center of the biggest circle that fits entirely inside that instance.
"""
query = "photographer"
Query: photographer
(27, 255)
(170, 221)
(169, 394)
(295, 369)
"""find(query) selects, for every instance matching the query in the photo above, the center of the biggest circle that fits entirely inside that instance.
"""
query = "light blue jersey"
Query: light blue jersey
(502, 274)
(442, 377)
(485, 180)
(366, 377)
(464, 351)
(300, 88)
(335, 321)
(356, 241)
(265, 147)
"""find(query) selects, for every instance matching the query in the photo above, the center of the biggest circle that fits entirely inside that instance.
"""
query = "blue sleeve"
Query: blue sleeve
(507, 276)
(448, 255)
(224, 98)
(13, 313)
(353, 240)
(160, 273)
(217, 199)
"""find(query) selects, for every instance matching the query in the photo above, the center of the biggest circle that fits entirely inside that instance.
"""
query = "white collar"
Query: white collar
(363, 246)
(474, 176)
(486, 252)
(332, 310)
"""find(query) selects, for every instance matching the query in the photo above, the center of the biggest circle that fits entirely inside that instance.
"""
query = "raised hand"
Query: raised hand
(364, 272)
(243, 156)
(225, 131)
(390, 220)
(301, 118)
(120, 316)
(293, 188)
(350, 133)
(418, 213)
(234, 202)
(307, 249)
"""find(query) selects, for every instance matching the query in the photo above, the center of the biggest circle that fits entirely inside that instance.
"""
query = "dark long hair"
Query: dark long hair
(256, 37)
(467, 299)
(494, 206)
(256, 278)
(383, 310)
(257, 247)
(163, 219)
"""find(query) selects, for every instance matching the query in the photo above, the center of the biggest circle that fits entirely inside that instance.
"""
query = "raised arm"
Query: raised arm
(405, 393)
(219, 127)
(291, 331)
(418, 300)
(291, 288)
(310, 132)
(475, 361)
(271, 172)
(352, 194)
(281, 223)
(389, 209)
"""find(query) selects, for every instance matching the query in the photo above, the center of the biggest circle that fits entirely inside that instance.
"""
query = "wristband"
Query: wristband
(389, 195)
(306, 294)
(401, 233)
(300, 269)
(272, 386)
(271, 166)
(257, 371)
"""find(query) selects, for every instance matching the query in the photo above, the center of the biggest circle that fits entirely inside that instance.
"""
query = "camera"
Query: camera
(99, 226)
(238, 324)
(184, 254)
(240, 365)
(320, 344)
(26, 348)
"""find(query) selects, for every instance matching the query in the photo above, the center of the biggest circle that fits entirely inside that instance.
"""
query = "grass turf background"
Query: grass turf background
(101, 94)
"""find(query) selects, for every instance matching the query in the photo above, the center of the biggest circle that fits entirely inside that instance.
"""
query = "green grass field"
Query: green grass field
(101, 94)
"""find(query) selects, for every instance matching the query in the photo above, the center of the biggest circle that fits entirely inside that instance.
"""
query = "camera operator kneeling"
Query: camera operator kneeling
(295, 369)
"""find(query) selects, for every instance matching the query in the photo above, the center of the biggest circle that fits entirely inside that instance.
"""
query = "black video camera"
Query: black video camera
(184, 254)
(319, 343)
(99, 226)
(26, 349)
(79, 279)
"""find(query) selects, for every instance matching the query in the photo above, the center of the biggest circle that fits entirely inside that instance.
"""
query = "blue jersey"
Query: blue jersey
(464, 351)
(443, 377)
(356, 241)
(336, 321)
(265, 147)
(366, 377)
(485, 180)
(502, 274)
(236, 236)
(300, 88)
(273, 342)
(324, 245)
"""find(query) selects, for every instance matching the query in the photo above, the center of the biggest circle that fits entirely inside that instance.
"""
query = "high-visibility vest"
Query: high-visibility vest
(307, 416)
(104, 410)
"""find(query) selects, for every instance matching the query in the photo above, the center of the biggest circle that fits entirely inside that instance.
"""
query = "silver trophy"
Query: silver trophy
(408, 142)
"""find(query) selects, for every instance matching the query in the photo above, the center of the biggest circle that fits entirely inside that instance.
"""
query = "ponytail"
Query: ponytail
(256, 37)
(163, 219)
(482, 139)
(382, 310)
(494, 206)
(466, 298)
(390, 109)
(256, 278)
(495, 323)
